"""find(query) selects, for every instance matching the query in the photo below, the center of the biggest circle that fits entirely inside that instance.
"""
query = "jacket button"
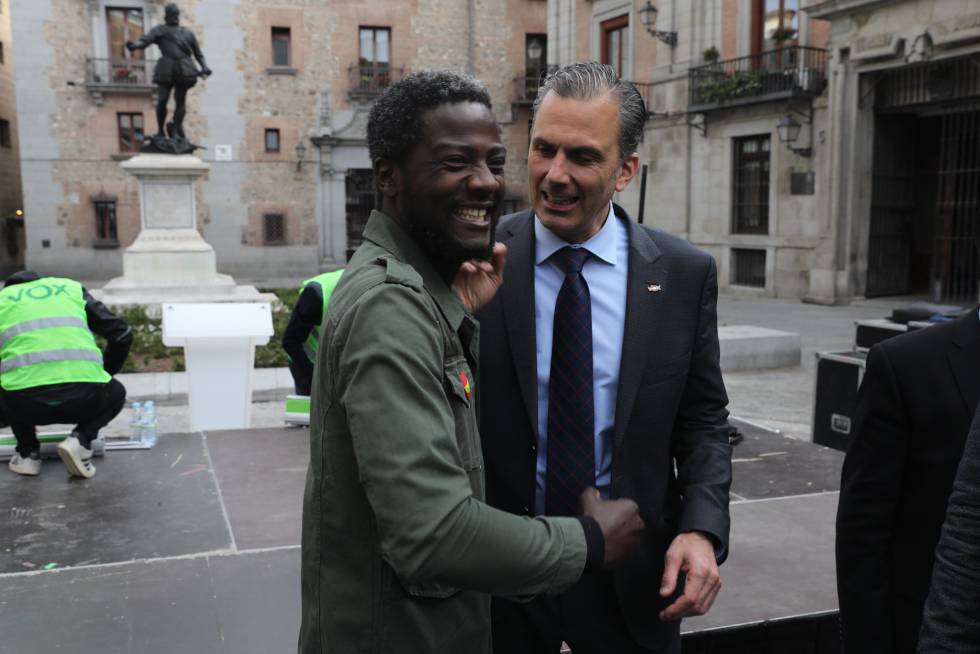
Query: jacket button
(527, 510)
(534, 448)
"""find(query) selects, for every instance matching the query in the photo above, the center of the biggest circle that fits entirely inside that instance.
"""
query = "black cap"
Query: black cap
(21, 277)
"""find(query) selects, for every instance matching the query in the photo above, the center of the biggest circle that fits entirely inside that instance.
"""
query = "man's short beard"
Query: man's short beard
(439, 245)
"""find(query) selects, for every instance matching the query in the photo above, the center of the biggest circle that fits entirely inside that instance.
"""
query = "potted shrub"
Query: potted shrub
(782, 34)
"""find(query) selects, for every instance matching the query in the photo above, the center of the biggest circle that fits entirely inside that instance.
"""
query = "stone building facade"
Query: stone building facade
(11, 200)
(902, 209)
(716, 86)
(818, 149)
(282, 118)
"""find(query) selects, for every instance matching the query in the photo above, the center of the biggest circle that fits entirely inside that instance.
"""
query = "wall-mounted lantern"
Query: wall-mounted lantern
(790, 130)
(648, 16)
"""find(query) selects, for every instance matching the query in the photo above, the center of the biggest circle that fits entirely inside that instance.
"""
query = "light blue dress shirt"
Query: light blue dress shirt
(605, 273)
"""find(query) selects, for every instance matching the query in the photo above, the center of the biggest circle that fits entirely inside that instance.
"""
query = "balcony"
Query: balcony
(526, 90)
(792, 72)
(118, 76)
(368, 82)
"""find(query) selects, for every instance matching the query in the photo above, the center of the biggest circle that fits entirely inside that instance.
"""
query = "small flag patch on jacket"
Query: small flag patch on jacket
(466, 384)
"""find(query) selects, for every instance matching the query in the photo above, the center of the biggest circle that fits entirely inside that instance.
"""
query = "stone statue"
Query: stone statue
(174, 71)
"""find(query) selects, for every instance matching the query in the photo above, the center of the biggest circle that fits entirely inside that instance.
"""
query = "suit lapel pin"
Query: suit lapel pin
(654, 288)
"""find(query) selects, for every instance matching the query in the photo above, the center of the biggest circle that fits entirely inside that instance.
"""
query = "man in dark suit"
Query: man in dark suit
(914, 409)
(600, 367)
(951, 622)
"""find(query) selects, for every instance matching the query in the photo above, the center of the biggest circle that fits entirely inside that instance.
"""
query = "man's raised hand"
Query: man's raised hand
(478, 281)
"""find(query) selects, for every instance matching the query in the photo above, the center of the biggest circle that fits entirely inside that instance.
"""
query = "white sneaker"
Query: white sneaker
(31, 465)
(77, 459)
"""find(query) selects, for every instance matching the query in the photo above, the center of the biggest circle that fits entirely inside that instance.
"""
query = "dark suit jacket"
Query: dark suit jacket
(951, 621)
(914, 409)
(670, 405)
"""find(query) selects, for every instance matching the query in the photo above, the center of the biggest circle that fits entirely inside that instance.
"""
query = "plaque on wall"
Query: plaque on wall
(801, 183)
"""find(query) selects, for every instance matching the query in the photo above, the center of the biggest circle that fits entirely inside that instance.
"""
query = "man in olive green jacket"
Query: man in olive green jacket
(399, 549)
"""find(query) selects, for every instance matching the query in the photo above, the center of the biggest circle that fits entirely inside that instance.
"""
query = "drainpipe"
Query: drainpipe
(471, 45)
(688, 190)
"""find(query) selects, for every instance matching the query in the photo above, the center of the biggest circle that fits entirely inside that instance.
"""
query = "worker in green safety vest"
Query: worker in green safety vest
(53, 372)
(302, 336)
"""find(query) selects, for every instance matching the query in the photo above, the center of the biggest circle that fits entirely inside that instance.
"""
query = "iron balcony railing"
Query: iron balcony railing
(120, 72)
(526, 89)
(372, 80)
(795, 71)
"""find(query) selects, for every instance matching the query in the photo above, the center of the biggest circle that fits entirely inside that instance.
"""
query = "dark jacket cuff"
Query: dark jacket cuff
(595, 544)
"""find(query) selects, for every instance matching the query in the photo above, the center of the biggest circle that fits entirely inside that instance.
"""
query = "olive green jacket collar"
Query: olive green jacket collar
(386, 233)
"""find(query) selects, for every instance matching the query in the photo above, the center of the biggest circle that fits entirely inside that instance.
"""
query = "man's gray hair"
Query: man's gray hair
(588, 80)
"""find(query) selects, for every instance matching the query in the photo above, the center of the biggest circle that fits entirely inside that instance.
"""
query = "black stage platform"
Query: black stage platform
(193, 547)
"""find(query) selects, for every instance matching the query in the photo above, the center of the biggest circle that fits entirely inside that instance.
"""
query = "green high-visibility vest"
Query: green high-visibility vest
(44, 336)
(327, 281)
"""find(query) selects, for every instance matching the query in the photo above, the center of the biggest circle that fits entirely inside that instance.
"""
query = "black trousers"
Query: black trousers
(587, 617)
(90, 406)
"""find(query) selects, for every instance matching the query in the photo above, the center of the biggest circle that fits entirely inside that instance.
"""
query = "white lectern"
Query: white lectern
(219, 342)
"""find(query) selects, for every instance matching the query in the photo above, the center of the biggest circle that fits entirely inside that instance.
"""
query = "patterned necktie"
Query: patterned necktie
(571, 413)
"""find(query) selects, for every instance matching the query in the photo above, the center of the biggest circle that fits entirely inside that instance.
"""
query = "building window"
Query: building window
(749, 267)
(130, 132)
(616, 42)
(535, 63)
(123, 25)
(272, 140)
(280, 46)
(1, 52)
(5, 134)
(361, 200)
(106, 235)
(775, 24)
(374, 57)
(274, 229)
(751, 185)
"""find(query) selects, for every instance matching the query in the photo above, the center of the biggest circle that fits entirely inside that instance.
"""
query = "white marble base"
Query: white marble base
(169, 261)
(152, 297)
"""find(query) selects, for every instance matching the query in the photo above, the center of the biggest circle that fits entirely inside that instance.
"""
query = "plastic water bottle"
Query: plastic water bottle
(149, 432)
(136, 422)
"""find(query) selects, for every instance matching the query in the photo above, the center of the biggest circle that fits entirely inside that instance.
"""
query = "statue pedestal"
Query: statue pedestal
(169, 261)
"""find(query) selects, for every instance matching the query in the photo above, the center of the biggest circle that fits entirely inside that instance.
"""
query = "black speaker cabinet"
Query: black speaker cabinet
(869, 332)
(838, 377)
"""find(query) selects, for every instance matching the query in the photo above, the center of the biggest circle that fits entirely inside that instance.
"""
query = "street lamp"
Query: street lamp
(300, 153)
(648, 16)
(533, 69)
(534, 51)
(789, 128)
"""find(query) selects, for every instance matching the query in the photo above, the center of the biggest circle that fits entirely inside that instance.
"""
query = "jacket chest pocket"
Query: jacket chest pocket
(460, 390)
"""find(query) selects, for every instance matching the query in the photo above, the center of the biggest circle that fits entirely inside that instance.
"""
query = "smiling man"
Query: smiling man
(601, 369)
(398, 549)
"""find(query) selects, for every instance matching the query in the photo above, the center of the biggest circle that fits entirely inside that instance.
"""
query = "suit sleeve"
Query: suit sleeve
(950, 622)
(871, 485)
(404, 433)
(700, 437)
